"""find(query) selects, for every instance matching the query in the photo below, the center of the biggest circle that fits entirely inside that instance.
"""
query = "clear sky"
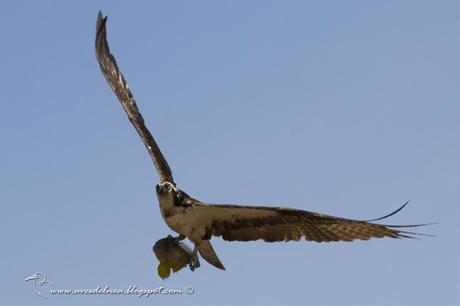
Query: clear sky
(348, 108)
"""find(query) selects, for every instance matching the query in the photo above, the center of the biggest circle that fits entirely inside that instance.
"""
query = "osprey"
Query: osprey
(199, 221)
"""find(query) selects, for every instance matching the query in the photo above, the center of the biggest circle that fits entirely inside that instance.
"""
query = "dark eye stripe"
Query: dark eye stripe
(177, 199)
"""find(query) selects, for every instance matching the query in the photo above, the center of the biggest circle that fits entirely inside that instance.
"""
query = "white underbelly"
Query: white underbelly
(182, 221)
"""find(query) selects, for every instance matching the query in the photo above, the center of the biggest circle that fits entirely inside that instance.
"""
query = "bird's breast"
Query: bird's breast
(172, 214)
(182, 220)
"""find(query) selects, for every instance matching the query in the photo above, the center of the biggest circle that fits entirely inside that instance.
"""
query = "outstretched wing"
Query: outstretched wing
(247, 223)
(118, 83)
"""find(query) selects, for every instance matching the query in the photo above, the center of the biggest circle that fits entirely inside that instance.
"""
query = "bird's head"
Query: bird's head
(168, 192)
(32, 277)
(36, 276)
(165, 188)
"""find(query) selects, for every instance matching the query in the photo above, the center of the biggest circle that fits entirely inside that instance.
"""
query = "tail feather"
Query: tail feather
(207, 252)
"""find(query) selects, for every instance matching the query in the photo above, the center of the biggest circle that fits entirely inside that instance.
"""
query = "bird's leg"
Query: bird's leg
(194, 262)
(175, 240)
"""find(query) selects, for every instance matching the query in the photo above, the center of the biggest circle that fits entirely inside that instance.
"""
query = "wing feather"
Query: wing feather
(118, 84)
(248, 223)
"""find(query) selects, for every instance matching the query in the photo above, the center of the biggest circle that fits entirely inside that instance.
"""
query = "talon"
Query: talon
(194, 264)
(174, 241)
(194, 261)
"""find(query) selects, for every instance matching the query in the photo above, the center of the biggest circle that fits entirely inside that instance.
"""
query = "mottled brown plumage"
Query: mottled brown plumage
(118, 83)
(302, 224)
(270, 224)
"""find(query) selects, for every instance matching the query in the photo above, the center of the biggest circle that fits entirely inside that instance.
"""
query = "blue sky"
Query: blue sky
(348, 108)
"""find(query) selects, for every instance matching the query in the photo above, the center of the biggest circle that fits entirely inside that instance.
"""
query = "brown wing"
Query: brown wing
(247, 223)
(118, 83)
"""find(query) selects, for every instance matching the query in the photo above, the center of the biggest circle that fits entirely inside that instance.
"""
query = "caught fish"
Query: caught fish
(173, 256)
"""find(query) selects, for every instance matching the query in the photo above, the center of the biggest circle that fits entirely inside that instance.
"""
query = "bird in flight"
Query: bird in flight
(199, 221)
